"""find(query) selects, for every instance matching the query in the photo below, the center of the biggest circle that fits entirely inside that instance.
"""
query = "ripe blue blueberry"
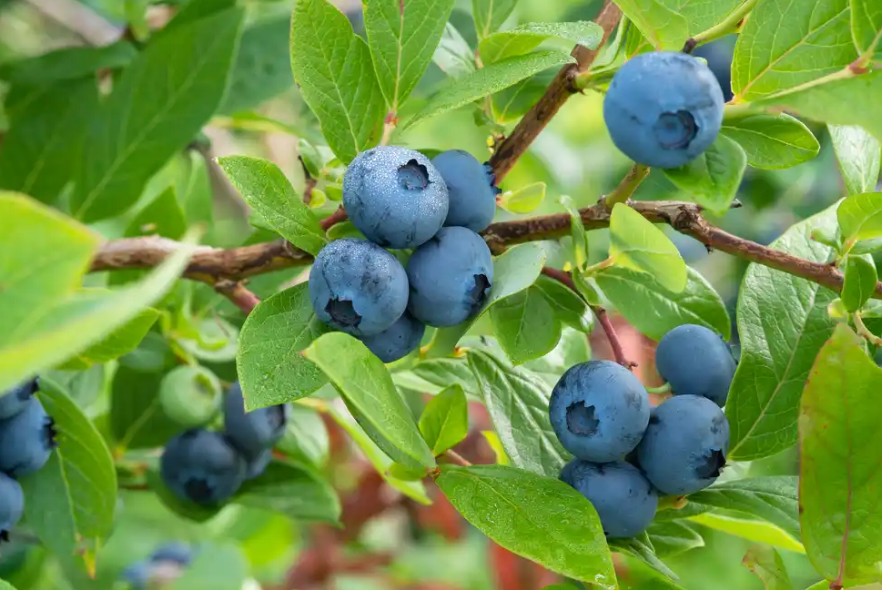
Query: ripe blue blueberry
(622, 496)
(16, 399)
(685, 445)
(26, 440)
(663, 109)
(258, 464)
(398, 340)
(395, 197)
(253, 432)
(175, 551)
(450, 277)
(719, 59)
(696, 361)
(138, 575)
(202, 467)
(471, 188)
(599, 411)
(357, 287)
(11, 505)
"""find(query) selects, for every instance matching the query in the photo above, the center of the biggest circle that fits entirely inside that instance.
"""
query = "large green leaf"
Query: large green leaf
(859, 156)
(264, 187)
(569, 308)
(366, 386)
(757, 531)
(860, 217)
(71, 501)
(840, 513)
(525, 325)
(641, 548)
(638, 244)
(539, 517)
(270, 366)
(529, 36)
(433, 375)
(306, 438)
(120, 342)
(673, 537)
(866, 25)
(292, 490)
(454, 56)
(403, 35)
(490, 14)
(333, 67)
(157, 107)
(784, 45)
(518, 406)
(263, 67)
(782, 323)
(444, 422)
(773, 141)
(489, 79)
(69, 63)
(712, 179)
(667, 24)
(655, 311)
(767, 565)
(136, 417)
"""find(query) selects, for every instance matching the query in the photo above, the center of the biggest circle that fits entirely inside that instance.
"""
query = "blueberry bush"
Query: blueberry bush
(274, 272)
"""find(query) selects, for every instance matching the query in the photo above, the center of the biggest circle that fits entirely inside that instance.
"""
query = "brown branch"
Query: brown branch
(211, 264)
(236, 292)
(560, 89)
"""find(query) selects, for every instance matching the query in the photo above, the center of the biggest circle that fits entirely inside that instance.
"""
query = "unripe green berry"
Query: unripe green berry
(191, 396)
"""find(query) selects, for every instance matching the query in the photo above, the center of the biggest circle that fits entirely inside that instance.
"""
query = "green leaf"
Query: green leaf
(403, 35)
(860, 217)
(292, 490)
(266, 190)
(866, 25)
(381, 462)
(270, 367)
(838, 426)
(333, 68)
(753, 530)
(487, 80)
(577, 232)
(571, 350)
(120, 342)
(215, 567)
(525, 325)
(158, 105)
(433, 375)
(773, 499)
(518, 406)
(306, 437)
(41, 149)
(490, 14)
(524, 200)
(263, 66)
(773, 141)
(515, 101)
(366, 386)
(712, 178)
(638, 244)
(764, 562)
(668, 23)
(136, 417)
(444, 422)
(782, 46)
(850, 100)
(655, 311)
(69, 63)
(569, 308)
(782, 322)
(163, 217)
(454, 56)
(641, 548)
(529, 36)
(860, 282)
(540, 518)
(859, 156)
(672, 538)
(71, 501)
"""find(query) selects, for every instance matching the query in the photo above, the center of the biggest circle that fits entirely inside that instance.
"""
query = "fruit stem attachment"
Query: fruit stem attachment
(864, 332)
(334, 218)
(238, 293)
(731, 24)
(454, 457)
(610, 331)
(666, 388)
(629, 184)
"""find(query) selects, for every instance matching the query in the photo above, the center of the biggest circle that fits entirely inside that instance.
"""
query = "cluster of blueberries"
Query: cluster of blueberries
(208, 467)
(663, 109)
(163, 566)
(627, 453)
(27, 438)
(399, 199)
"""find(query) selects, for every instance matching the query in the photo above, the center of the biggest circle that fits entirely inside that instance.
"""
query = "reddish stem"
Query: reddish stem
(334, 218)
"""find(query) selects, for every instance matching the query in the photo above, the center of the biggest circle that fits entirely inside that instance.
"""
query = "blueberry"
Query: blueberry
(357, 287)
(258, 464)
(398, 340)
(176, 551)
(450, 276)
(253, 432)
(663, 109)
(11, 505)
(719, 59)
(138, 575)
(202, 467)
(685, 445)
(599, 411)
(395, 196)
(622, 496)
(696, 361)
(470, 186)
(16, 399)
(26, 440)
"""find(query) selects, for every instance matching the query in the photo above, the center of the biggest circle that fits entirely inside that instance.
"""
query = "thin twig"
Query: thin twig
(629, 184)
(455, 457)
(236, 292)
(560, 276)
(610, 331)
(334, 218)
(308, 182)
